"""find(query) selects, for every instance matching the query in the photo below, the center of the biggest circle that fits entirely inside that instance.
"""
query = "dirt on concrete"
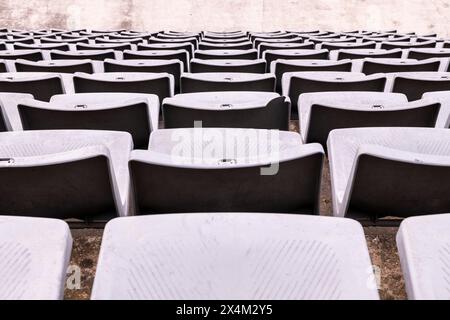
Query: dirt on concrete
(380, 241)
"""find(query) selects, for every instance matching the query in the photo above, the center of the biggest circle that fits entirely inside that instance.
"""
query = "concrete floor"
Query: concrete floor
(380, 240)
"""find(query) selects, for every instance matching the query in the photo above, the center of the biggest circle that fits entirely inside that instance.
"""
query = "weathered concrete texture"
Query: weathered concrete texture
(406, 15)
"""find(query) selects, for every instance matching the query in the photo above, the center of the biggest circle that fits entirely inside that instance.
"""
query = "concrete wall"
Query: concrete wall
(405, 15)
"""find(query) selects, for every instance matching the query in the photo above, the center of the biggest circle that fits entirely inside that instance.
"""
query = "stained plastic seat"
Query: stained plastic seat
(280, 66)
(59, 66)
(200, 82)
(251, 54)
(322, 112)
(296, 83)
(415, 84)
(123, 112)
(36, 166)
(183, 111)
(41, 85)
(34, 256)
(422, 244)
(232, 250)
(161, 84)
(275, 173)
(399, 172)
(173, 67)
(85, 54)
(301, 54)
(243, 66)
(181, 55)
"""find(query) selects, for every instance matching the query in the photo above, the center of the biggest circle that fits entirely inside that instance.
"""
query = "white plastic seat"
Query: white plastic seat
(83, 54)
(221, 81)
(168, 46)
(236, 256)
(156, 54)
(271, 178)
(407, 45)
(34, 256)
(371, 65)
(37, 165)
(9, 117)
(415, 84)
(31, 55)
(264, 46)
(59, 66)
(444, 99)
(41, 85)
(322, 112)
(427, 53)
(250, 54)
(246, 45)
(423, 247)
(161, 84)
(281, 66)
(273, 114)
(106, 111)
(366, 53)
(294, 54)
(378, 172)
(294, 84)
(229, 65)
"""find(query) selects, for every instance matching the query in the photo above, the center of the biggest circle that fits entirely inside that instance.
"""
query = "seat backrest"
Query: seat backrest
(181, 55)
(163, 188)
(86, 67)
(199, 66)
(99, 55)
(415, 88)
(275, 115)
(160, 86)
(41, 89)
(27, 55)
(196, 84)
(361, 54)
(272, 55)
(206, 55)
(373, 66)
(132, 118)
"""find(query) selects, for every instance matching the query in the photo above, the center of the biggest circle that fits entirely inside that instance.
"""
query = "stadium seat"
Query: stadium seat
(415, 84)
(371, 66)
(275, 173)
(86, 54)
(296, 83)
(181, 55)
(422, 244)
(322, 112)
(41, 85)
(367, 53)
(31, 55)
(35, 173)
(251, 54)
(173, 67)
(103, 46)
(264, 46)
(125, 113)
(243, 66)
(422, 54)
(397, 172)
(281, 66)
(225, 46)
(198, 82)
(168, 46)
(238, 256)
(300, 54)
(183, 111)
(59, 66)
(161, 84)
(34, 256)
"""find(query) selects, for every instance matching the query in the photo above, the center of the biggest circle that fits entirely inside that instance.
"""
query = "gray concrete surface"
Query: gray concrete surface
(151, 15)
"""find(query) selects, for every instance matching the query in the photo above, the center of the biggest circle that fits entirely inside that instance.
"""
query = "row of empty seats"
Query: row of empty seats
(189, 133)
(223, 256)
